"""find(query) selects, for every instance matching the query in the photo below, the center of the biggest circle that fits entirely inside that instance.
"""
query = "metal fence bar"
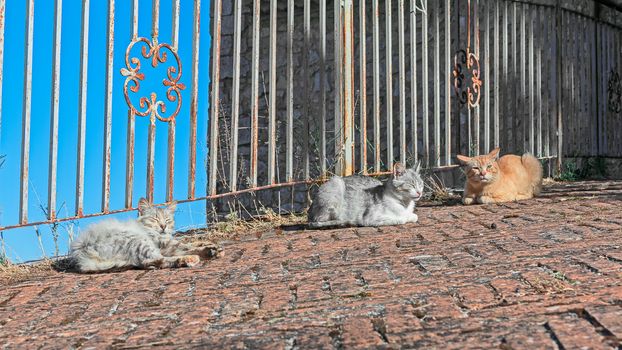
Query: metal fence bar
(538, 17)
(376, 75)
(306, 87)
(192, 148)
(389, 81)
(170, 160)
(2, 14)
(413, 77)
(323, 158)
(507, 100)
(363, 86)
(82, 98)
(348, 87)
(131, 121)
(402, 80)
(437, 84)
(26, 109)
(273, 88)
(476, 110)
(560, 79)
(545, 45)
(516, 82)
(488, 85)
(448, 68)
(155, 30)
(531, 83)
(289, 160)
(424, 87)
(338, 86)
(235, 96)
(215, 98)
(523, 75)
(255, 92)
(108, 109)
(58, 15)
(496, 75)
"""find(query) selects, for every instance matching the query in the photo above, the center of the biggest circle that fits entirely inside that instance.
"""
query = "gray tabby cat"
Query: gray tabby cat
(146, 242)
(364, 201)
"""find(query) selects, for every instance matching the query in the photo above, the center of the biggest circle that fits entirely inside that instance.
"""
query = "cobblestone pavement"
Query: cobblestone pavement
(544, 273)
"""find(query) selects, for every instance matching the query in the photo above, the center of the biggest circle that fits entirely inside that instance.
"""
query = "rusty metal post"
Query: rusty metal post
(348, 88)
(560, 79)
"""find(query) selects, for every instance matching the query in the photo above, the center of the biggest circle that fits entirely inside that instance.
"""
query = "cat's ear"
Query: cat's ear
(417, 167)
(464, 160)
(171, 207)
(143, 206)
(494, 153)
(398, 169)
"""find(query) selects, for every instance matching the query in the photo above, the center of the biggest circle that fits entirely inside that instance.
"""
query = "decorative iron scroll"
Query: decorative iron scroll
(467, 82)
(151, 106)
(614, 90)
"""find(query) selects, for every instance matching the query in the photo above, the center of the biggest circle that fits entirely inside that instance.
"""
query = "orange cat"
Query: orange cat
(491, 179)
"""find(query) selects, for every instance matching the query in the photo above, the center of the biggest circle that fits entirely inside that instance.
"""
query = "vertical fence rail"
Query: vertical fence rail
(215, 98)
(194, 101)
(338, 85)
(348, 86)
(108, 109)
(289, 162)
(84, 58)
(272, 103)
(424, 88)
(170, 160)
(235, 96)
(305, 79)
(448, 129)
(58, 15)
(389, 81)
(413, 77)
(402, 80)
(155, 31)
(437, 84)
(255, 93)
(376, 76)
(362, 87)
(323, 158)
(26, 110)
(131, 121)
(2, 14)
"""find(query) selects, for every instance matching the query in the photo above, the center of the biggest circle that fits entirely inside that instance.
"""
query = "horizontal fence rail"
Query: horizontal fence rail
(302, 90)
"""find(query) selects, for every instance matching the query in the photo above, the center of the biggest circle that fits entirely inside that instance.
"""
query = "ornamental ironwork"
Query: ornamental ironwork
(466, 72)
(150, 105)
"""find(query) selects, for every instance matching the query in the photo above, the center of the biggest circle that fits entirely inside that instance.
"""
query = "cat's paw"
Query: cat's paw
(467, 200)
(209, 251)
(413, 218)
(189, 260)
(485, 200)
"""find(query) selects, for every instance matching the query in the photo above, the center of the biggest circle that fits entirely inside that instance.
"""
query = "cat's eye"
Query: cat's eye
(489, 166)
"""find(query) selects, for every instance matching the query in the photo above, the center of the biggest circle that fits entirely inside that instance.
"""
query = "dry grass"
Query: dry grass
(233, 226)
(12, 273)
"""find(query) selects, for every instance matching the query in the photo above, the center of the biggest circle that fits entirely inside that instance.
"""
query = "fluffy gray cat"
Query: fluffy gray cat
(146, 242)
(364, 201)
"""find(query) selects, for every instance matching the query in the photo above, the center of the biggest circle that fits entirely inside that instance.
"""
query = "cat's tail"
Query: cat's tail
(534, 171)
(88, 260)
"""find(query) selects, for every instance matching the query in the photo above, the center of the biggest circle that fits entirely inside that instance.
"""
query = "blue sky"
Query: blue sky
(23, 244)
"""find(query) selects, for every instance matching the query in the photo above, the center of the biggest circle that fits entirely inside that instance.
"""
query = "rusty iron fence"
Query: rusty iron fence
(386, 81)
